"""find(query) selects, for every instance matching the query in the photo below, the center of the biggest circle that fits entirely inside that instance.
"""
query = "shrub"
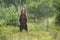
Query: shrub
(11, 17)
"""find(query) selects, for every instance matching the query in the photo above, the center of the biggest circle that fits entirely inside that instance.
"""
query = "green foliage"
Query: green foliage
(57, 5)
(11, 16)
(2, 22)
(23, 2)
(57, 8)
(57, 21)
(36, 9)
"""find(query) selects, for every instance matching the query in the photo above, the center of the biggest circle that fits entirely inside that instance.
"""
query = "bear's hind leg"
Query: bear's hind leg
(26, 27)
(21, 28)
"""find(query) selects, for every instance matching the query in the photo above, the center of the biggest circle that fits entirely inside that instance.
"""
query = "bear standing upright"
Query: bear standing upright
(23, 20)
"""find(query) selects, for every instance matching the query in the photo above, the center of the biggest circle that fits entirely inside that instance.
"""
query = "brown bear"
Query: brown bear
(23, 20)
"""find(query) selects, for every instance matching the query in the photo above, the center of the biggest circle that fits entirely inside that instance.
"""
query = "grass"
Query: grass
(37, 31)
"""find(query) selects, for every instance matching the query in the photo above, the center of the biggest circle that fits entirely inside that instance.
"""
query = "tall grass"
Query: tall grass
(36, 32)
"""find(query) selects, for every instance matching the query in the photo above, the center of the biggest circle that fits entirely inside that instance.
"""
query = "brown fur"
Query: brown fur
(23, 21)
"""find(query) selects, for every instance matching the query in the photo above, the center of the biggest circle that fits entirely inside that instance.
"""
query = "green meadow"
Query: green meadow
(36, 31)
